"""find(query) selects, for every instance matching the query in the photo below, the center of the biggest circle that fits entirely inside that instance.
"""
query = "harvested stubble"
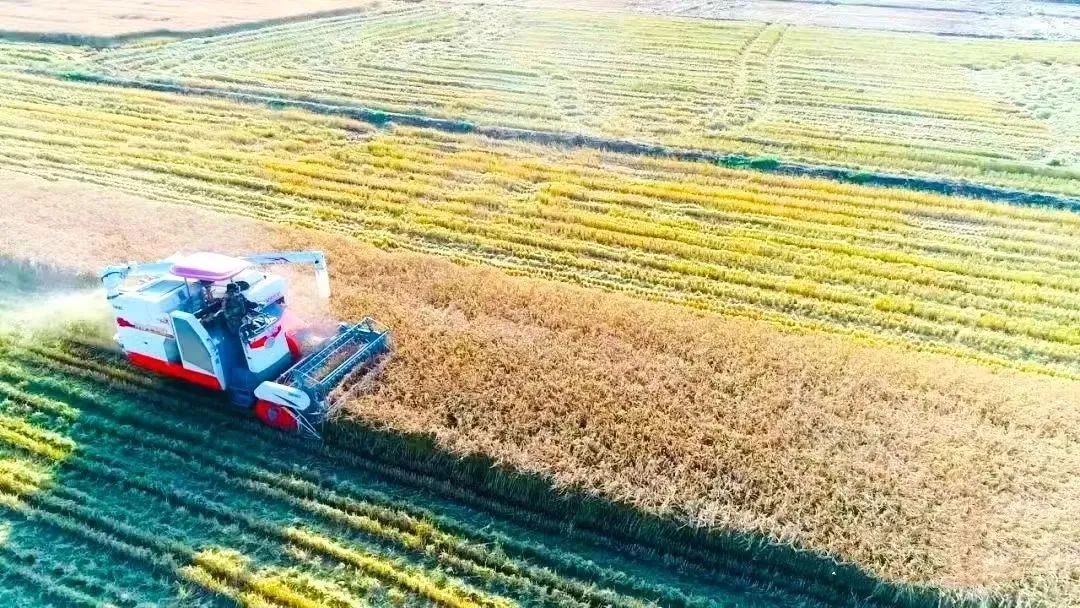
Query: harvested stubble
(887, 101)
(1049, 20)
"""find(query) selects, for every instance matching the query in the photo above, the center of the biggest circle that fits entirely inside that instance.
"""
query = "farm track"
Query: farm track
(72, 423)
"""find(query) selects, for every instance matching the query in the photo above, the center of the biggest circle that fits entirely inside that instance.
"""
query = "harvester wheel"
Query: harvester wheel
(277, 416)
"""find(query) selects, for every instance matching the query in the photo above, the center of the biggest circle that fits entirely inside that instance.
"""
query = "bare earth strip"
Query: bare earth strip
(112, 18)
(922, 468)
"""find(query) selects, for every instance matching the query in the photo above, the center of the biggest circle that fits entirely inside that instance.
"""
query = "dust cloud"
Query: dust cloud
(40, 299)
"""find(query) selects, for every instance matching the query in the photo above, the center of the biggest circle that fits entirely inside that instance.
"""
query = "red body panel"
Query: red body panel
(292, 325)
(261, 342)
(294, 347)
(176, 370)
(276, 416)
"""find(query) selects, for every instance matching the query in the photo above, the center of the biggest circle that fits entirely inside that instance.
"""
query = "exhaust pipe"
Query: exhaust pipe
(112, 278)
(322, 277)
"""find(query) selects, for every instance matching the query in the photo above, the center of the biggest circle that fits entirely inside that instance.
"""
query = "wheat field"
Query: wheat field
(647, 260)
(986, 281)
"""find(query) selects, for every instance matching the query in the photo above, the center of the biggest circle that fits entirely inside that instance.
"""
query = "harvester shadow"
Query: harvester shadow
(174, 462)
(701, 554)
(475, 488)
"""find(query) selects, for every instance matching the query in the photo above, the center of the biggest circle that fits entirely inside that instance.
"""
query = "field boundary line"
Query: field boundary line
(765, 164)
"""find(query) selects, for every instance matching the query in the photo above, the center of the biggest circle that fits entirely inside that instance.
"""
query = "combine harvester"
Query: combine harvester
(221, 322)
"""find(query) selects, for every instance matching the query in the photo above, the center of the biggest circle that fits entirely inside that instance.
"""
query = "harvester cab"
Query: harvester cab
(222, 322)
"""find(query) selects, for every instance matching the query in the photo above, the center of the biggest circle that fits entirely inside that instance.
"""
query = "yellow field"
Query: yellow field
(889, 376)
(926, 470)
(986, 281)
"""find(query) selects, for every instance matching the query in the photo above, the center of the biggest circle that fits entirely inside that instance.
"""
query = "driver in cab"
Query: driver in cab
(235, 307)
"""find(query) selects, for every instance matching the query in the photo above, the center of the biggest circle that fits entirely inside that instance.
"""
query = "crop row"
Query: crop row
(112, 471)
(953, 275)
(444, 540)
(91, 464)
(80, 513)
(393, 525)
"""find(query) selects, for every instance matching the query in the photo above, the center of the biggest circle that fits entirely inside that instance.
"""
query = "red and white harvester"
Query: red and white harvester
(222, 322)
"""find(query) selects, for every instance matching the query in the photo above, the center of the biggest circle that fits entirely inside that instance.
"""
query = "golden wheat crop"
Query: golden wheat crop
(925, 469)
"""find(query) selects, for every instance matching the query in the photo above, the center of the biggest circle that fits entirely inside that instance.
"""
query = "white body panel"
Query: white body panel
(147, 307)
(271, 288)
(266, 348)
(148, 344)
(198, 351)
(283, 395)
